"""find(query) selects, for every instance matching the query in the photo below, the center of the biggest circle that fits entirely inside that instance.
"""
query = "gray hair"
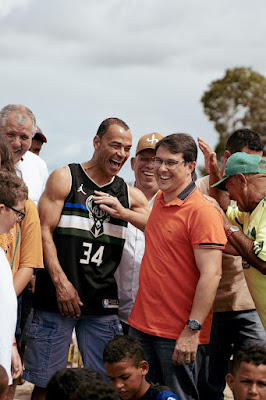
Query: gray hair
(21, 113)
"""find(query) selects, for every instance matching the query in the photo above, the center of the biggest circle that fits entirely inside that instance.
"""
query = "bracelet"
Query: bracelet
(15, 344)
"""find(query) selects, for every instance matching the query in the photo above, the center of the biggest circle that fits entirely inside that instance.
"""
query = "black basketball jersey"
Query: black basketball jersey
(89, 245)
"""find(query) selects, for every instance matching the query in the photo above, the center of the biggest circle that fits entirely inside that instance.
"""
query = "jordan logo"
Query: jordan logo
(153, 139)
(80, 189)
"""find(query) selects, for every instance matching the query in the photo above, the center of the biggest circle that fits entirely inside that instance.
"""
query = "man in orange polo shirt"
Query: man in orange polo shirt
(180, 271)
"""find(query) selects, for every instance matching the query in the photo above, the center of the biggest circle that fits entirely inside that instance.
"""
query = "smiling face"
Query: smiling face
(128, 380)
(112, 150)
(249, 382)
(18, 135)
(143, 167)
(173, 181)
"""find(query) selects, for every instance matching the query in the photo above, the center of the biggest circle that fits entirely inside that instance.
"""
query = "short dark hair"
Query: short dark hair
(244, 138)
(251, 354)
(65, 381)
(94, 390)
(180, 143)
(123, 347)
(12, 188)
(103, 128)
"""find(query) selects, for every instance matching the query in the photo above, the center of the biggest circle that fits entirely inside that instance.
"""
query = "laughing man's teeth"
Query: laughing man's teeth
(164, 177)
(118, 163)
(148, 174)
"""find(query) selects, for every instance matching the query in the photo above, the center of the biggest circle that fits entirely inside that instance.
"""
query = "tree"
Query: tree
(238, 100)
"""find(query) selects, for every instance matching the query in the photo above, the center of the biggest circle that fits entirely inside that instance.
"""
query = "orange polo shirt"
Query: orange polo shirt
(168, 273)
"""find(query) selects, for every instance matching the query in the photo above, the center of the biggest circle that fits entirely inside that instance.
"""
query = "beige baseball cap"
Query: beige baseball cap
(148, 141)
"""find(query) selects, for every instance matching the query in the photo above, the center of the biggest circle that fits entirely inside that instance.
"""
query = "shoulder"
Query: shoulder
(202, 208)
(58, 183)
(160, 392)
(203, 184)
(30, 206)
(136, 195)
(31, 213)
(30, 157)
(198, 201)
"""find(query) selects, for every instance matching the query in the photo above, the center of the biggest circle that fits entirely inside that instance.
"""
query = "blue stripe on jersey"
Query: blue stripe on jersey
(75, 205)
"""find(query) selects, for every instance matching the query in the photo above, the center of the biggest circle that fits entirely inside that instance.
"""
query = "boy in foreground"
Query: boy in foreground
(126, 369)
(248, 378)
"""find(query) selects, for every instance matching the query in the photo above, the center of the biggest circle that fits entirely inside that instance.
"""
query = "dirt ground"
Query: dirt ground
(24, 391)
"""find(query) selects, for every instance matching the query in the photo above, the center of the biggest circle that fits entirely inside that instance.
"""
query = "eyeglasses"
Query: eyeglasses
(170, 164)
(21, 214)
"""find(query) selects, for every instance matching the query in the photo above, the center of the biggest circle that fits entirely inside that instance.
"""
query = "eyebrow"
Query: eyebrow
(116, 142)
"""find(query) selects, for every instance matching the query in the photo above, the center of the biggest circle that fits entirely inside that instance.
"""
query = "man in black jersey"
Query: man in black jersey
(84, 213)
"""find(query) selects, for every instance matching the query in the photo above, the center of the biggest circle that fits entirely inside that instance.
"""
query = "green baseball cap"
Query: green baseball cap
(242, 163)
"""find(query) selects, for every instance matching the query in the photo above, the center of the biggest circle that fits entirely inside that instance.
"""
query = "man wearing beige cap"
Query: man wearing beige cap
(127, 274)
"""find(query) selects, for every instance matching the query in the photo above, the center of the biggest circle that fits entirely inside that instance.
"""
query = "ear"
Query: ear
(191, 166)
(227, 154)
(230, 381)
(133, 161)
(2, 207)
(144, 366)
(96, 142)
(242, 179)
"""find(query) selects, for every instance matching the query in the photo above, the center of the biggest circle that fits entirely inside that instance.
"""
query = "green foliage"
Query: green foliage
(236, 101)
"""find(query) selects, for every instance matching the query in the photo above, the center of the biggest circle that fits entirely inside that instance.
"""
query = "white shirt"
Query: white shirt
(127, 273)
(34, 173)
(8, 314)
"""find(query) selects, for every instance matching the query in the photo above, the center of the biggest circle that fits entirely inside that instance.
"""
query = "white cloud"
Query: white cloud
(146, 61)
(7, 7)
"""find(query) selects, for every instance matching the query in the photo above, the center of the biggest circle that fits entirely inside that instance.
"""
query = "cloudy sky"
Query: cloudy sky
(148, 62)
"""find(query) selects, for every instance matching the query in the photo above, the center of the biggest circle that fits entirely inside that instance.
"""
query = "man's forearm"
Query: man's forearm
(204, 296)
(137, 219)
(51, 260)
(21, 279)
(244, 246)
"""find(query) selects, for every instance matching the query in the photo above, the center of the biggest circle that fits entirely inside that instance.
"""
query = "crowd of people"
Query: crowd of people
(163, 281)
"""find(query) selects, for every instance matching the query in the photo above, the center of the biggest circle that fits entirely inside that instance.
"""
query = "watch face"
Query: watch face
(194, 325)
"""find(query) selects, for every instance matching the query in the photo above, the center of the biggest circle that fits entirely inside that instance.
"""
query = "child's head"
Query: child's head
(94, 390)
(66, 381)
(248, 377)
(126, 367)
(13, 194)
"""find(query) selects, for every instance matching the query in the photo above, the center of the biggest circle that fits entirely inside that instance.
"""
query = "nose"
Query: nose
(15, 141)
(253, 389)
(121, 152)
(118, 385)
(162, 167)
(150, 163)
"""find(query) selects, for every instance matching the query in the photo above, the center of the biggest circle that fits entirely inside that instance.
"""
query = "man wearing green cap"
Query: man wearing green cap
(245, 226)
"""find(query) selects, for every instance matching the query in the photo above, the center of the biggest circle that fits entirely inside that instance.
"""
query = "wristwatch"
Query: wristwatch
(194, 325)
(232, 229)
